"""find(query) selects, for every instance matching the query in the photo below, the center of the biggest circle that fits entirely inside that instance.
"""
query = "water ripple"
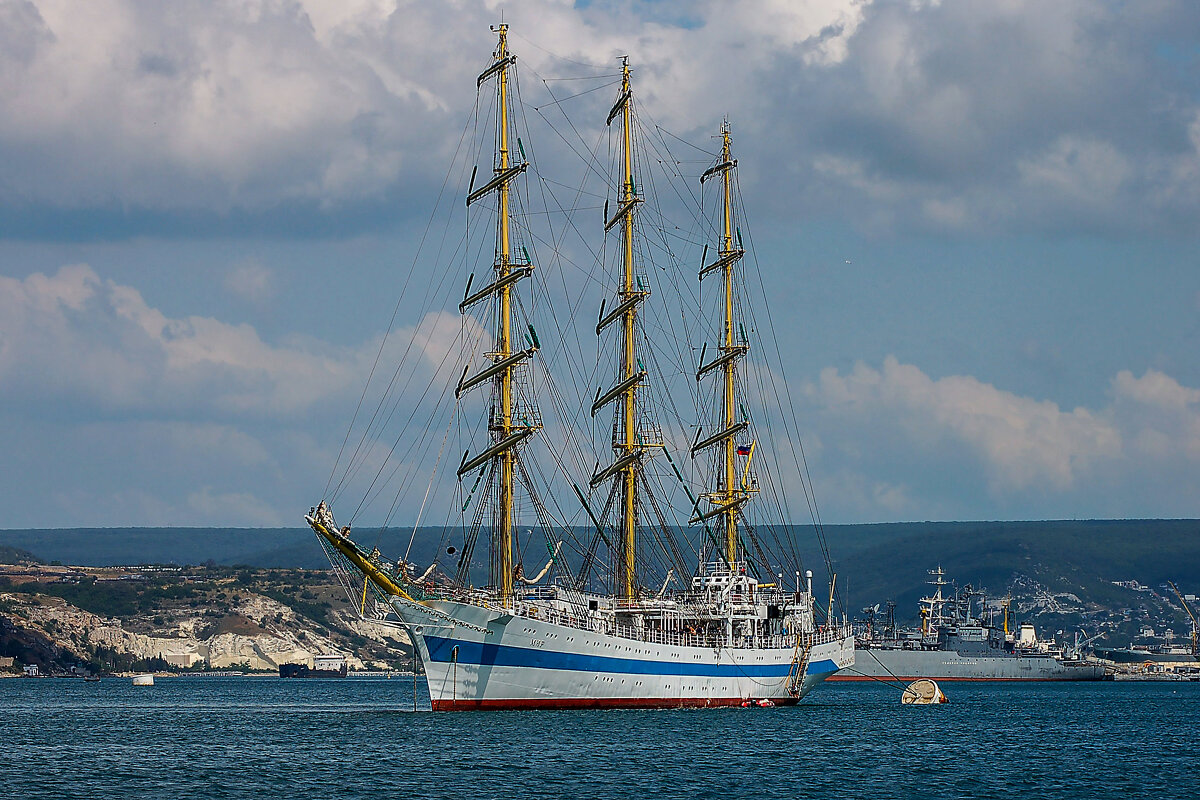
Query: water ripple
(259, 738)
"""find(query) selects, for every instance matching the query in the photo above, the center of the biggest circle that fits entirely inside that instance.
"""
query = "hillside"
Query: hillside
(1079, 557)
(15, 555)
(271, 548)
(875, 561)
(108, 620)
(1061, 574)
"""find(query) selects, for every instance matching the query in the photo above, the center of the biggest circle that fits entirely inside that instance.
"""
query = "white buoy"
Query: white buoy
(143, 680)
(922, 693)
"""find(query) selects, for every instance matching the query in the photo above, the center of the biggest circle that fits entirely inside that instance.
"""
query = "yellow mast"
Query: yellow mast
(629, 441)
(731, 492)
(506, 433)
(503, 547)
(729, 495)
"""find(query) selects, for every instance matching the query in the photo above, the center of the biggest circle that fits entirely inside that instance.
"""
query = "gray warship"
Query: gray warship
(957, 643)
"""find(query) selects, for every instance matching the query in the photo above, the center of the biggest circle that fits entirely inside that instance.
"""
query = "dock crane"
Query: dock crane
(1082, 640)
(1188, 609)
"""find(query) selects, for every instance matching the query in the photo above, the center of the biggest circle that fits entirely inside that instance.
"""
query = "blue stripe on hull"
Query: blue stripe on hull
(824, 667)
(440, 649)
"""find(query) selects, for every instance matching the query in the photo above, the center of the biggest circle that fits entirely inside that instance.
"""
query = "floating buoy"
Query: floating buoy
(922, 693)
(143, 680)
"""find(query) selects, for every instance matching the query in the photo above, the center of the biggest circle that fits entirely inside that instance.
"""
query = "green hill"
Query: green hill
(874, 562)
(1078, 557)
(273, 548)
(15, 555)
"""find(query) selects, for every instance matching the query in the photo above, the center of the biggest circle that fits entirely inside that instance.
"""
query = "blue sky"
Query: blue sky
(980, 219)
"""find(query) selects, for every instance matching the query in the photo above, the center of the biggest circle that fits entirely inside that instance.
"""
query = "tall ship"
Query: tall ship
(672, 573)
(957, 641)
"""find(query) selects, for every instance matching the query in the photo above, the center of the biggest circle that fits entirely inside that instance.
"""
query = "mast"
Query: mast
(503, 546)
(628, 440)
(628, 355)
(628, 447)
(730, 515)
(729, 495)
(505, 431)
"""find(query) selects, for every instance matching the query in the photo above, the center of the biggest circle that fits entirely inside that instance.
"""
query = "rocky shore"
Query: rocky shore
(198, 621)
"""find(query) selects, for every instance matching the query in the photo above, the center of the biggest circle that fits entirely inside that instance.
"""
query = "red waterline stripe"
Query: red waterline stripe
(594, 702)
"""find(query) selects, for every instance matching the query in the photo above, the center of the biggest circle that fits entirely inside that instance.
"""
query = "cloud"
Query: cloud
(75, 340)
(1005, 111)
(1162, 415)
(895, 441)
(225, 105)
(117, 472)
(317, 108)
(1020, 442)
(1081, 171)
(329, 115)
(1155, 388)
(873, 499)
(123, 414)
(250, 280)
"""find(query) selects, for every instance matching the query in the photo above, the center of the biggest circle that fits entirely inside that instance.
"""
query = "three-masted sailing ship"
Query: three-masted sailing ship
(590, 630)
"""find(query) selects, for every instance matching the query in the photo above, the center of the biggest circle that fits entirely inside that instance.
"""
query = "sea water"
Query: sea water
(251, 737)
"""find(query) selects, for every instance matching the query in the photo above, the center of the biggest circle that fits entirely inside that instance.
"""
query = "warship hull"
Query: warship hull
(947, 665)
(1122, 655)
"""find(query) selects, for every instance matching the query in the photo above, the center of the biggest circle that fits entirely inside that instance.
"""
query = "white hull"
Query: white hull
(523, 662)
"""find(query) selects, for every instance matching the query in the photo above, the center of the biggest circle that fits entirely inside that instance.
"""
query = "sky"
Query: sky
(979, 220)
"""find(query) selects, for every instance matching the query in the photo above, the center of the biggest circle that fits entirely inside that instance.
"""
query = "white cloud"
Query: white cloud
(873, 500)
(1020, 442)
(131, 416)
(897, 443)
(951, 116)
(447, 339)
(820, 28)
(246, 105)
(1155, 388)
(128, 415)
(250, 280)
(1022, 110)
(127, 471)
(73, 337)
(201, 414)
(1163, 415)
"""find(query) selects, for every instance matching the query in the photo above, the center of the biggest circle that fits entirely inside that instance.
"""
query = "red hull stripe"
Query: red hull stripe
(594, 702)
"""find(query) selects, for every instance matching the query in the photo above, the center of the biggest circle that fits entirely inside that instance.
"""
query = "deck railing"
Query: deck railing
(680, 638)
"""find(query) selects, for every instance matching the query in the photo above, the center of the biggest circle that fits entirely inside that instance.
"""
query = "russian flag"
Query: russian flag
(743, 450)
